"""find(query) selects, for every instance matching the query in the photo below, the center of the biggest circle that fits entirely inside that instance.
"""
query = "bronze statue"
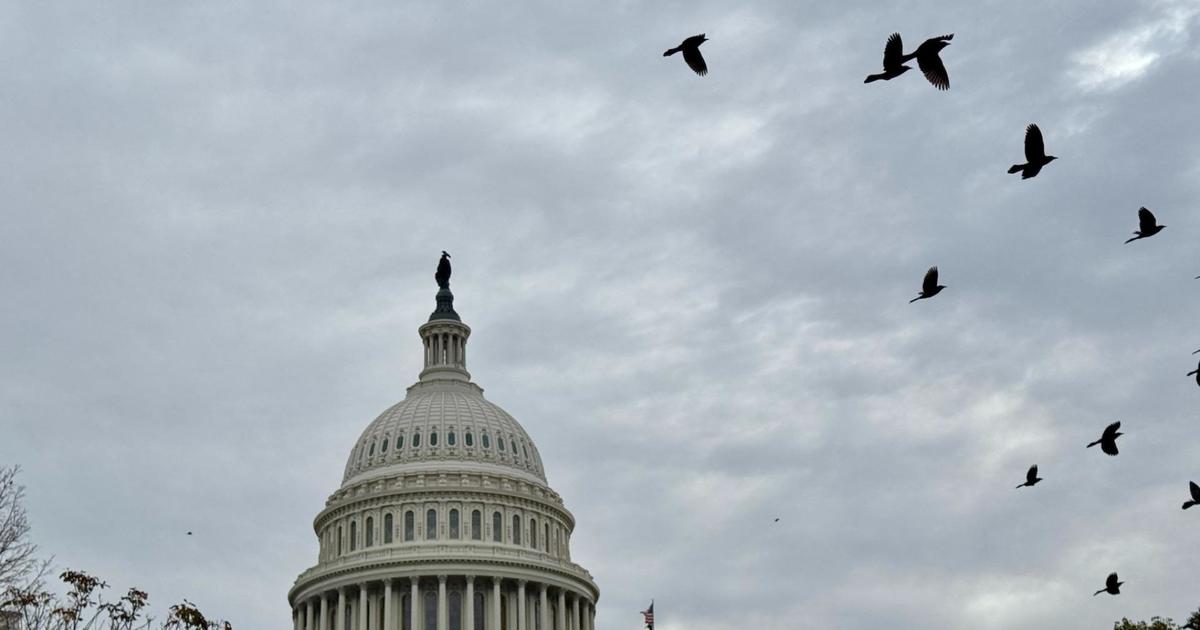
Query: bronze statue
(443, 271)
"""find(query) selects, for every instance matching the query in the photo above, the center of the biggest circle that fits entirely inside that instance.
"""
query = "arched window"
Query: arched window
(416, 440)
(405, 612)
(476, 525)
(497, 528)
(525, 451)
(433, 438)
(370, 533)
(546, 538)
(512, 443)
(469, 438)
(431, 525)
(409, 525)
(431, 610)
(533, 533)
(479, 614)
(384, 444)
(353, 535)
(450, 439)
(399, 441)
(500, 443)
(487, 442)
(387, 529)
(516, 529)
(454, 524)
(455, 610)
(339, 544)
(371, 453)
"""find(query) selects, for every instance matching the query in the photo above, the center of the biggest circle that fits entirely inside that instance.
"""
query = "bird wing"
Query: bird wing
(693, 41)
(695, 61)
(1035, 147)
(1032, 474)
(1195, 490)
(935, 71)
(893, 51)
(1110, 431)
(930, 282)
(1111, 583)
(1146, 220)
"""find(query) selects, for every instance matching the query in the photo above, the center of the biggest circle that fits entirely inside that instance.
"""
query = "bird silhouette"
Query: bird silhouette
(1111, 586)
(690, 48)
(776, 520)
(1195, 489)
(1035, 154)
(189, 533)
(1031, 477)
(1108, 441)
(929, 287)
(931, 64)
(893, 65)
(1147, 224)
(1196, 372)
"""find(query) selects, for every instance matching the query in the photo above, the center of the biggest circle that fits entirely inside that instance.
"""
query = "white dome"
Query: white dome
(447, 422)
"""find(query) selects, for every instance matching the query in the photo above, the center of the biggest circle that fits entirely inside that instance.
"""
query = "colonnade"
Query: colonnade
(409, 603)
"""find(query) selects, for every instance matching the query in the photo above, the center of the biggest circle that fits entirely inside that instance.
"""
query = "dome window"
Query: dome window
(384, 444)
(450, 439)
(525, 450)
(469, 439)
(487, 441)
(513, 444)
(339, 544)
(371, 453)
(431, 525)
(516, 529)
(476, 525)
(416, 440)
(500, 443)
(387, 529)
(533, 533)
(454, 524)
(399, 441)
(353, 535)
(433, 438)
(409, 525)
(370, 532)
(497, 529)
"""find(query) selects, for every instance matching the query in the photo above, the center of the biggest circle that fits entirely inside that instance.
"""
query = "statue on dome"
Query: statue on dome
(443, 271)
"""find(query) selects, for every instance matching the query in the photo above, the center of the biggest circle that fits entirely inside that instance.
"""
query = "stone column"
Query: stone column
(469, 617)
(495, 605)
(339, 623)
(389, 622)
(576, 620)
(521, 605)
(416, 601)
(324, 623)
(443, 612)
(544, 620)
(308, 624)
(297, 618)
(362, 606)
(562, 610)
(591, 616)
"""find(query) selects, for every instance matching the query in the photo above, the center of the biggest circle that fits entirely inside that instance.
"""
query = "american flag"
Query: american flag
(648, 614)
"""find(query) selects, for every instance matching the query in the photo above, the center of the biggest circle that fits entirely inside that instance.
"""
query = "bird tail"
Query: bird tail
(1192, 372)
(1016, 168)
(919, 297)
(1022, 486)
(1093, 444)
(1133, 239)
(1098, 592)
(873, 77)
(670, 52)
(1189, 504)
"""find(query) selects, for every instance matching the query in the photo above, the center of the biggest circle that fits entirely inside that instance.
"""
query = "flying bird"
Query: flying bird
(189, 533)
(1108, 441)
(893, 64)
(1147, 224)
(1031, 477)
(776, 520)
(929, 287)
(1111, 586)
(1196, 372)
(690, 48)
(1035, 154)
(1195, 495)
(931, 64)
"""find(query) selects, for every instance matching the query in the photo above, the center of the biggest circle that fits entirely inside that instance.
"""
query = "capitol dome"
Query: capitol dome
(444, 519)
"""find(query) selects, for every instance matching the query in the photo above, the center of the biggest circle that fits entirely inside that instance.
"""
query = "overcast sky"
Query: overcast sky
(221, 221)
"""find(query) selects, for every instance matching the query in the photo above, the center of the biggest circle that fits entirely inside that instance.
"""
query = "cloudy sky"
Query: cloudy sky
(221, 220)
